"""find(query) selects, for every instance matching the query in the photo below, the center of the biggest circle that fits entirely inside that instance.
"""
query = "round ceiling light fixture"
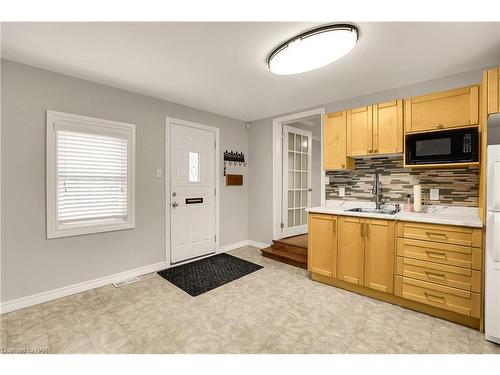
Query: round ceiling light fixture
(313, 49)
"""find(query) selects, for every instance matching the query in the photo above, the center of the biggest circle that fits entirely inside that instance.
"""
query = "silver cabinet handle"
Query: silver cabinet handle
(175, 204)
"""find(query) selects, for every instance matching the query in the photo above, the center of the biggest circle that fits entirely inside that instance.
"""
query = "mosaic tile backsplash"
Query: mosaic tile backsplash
(457, 187)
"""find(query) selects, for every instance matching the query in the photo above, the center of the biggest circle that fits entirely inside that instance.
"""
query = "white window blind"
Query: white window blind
(91, 176)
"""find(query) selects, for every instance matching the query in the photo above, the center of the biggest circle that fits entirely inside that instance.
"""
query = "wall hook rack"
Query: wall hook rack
(234, 158)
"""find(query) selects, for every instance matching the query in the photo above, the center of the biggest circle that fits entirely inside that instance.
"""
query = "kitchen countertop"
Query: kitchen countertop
(451, 215)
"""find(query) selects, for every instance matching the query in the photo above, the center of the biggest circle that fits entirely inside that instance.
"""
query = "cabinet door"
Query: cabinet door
(334, 142)
(388, 127)
(359, 131)
(379, 255)
(322, 245)
(493, 90)
(448, 109)
(351, 250)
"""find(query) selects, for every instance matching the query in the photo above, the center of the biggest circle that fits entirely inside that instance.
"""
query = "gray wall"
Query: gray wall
(261, 215)
(30, 263)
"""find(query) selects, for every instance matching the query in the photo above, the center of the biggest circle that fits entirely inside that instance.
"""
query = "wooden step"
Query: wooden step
(291, 250)
(296, 260)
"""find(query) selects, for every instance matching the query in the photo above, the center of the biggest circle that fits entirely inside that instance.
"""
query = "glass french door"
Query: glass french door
(296, 180)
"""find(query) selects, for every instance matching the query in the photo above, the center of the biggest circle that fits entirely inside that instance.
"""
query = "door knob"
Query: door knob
(175, 204)
(309, 189)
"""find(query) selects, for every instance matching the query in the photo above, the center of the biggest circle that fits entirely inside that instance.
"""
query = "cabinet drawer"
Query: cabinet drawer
(453, 255)
(455, 235)
(456, 277)
(447, 298)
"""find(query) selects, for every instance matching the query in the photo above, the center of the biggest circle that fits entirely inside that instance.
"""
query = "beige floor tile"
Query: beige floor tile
(479, 345)
(277, 309)
(449, 338)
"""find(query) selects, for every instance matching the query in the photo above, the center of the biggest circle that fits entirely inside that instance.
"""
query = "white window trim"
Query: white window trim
(82, 122)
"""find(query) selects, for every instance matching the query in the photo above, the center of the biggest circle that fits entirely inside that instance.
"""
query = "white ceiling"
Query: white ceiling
(221, 67)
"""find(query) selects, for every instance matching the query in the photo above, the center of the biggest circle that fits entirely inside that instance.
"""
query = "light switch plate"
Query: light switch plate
(159, 173)
(327, 180)
(434, 194)
(341, 191)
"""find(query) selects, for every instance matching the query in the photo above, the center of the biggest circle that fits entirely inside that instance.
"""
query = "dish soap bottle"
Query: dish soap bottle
(408, 205)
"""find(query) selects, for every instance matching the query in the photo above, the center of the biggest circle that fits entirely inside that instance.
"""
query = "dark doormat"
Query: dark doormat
(209, 273)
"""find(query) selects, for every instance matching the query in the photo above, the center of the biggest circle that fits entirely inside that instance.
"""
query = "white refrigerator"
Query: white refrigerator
(492, 261)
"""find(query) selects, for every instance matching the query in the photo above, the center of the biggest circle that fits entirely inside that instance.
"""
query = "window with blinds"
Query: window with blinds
(89, 175)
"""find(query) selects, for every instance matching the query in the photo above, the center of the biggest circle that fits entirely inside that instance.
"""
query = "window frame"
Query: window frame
(60, 120)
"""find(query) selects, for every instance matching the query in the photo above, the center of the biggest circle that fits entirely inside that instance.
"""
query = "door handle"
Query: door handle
(175, 204)
(440, 126)
(362, 229)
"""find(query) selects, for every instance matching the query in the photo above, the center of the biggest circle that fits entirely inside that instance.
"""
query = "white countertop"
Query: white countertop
(463, 216)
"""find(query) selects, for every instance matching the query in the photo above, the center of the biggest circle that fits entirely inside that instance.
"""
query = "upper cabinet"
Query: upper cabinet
(375, 129)
(359, 131)
(335, 142)
(447, 109)
(388, 127)
(493, 91)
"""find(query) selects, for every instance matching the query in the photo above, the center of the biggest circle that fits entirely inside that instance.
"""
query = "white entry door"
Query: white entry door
(296, 180)
(192, 192)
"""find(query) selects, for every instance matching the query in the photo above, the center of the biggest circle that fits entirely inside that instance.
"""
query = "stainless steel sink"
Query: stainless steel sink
(382, 211)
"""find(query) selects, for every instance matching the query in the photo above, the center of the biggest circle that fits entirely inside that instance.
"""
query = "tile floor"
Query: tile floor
(277, 309)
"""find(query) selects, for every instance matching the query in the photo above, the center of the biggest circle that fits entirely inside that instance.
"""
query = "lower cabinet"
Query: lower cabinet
(351, 250)
(366, 252)
(433, 268)
(322, 238)
(379, 255)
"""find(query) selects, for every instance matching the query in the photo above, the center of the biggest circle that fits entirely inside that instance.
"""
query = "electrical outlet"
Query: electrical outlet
(159, 173)
(434, 194)
(327, 180)
(341, 191)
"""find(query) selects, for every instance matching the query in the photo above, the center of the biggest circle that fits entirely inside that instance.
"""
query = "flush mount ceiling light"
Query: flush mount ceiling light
(313, 49)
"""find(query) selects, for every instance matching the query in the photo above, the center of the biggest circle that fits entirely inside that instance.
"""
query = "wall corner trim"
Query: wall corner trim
(34, 299)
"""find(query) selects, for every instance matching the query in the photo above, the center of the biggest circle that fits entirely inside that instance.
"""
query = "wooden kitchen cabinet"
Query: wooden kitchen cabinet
(447, 109)
(359, 131)
(375, 129)
(388, 127)
(335, 142)
(366, 252)
(322, 237)
(351, 250)
(379, 254)
(493, 100)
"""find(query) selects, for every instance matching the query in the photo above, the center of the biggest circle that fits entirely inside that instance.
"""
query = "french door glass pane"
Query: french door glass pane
(290, 218)
(291, 141)
(305, 144)
(291, 160)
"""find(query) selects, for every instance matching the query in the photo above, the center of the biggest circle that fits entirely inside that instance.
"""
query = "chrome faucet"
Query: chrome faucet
(376, 191)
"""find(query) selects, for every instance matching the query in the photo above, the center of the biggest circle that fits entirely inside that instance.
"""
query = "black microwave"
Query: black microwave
(441, 147)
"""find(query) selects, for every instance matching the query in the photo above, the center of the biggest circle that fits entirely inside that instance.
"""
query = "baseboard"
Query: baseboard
(260, 245)
(42, 297)
(50, 295)
(236, 245)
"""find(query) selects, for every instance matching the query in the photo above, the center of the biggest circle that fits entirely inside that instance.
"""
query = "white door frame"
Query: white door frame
(278, 164)
(168, 198)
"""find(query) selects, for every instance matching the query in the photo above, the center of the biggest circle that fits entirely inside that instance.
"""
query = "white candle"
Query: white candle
(417, 198)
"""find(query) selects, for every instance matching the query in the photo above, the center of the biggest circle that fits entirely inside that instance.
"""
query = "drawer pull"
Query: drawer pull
(431, 275)
(440, 235)
(434, 298)
(435, 254)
